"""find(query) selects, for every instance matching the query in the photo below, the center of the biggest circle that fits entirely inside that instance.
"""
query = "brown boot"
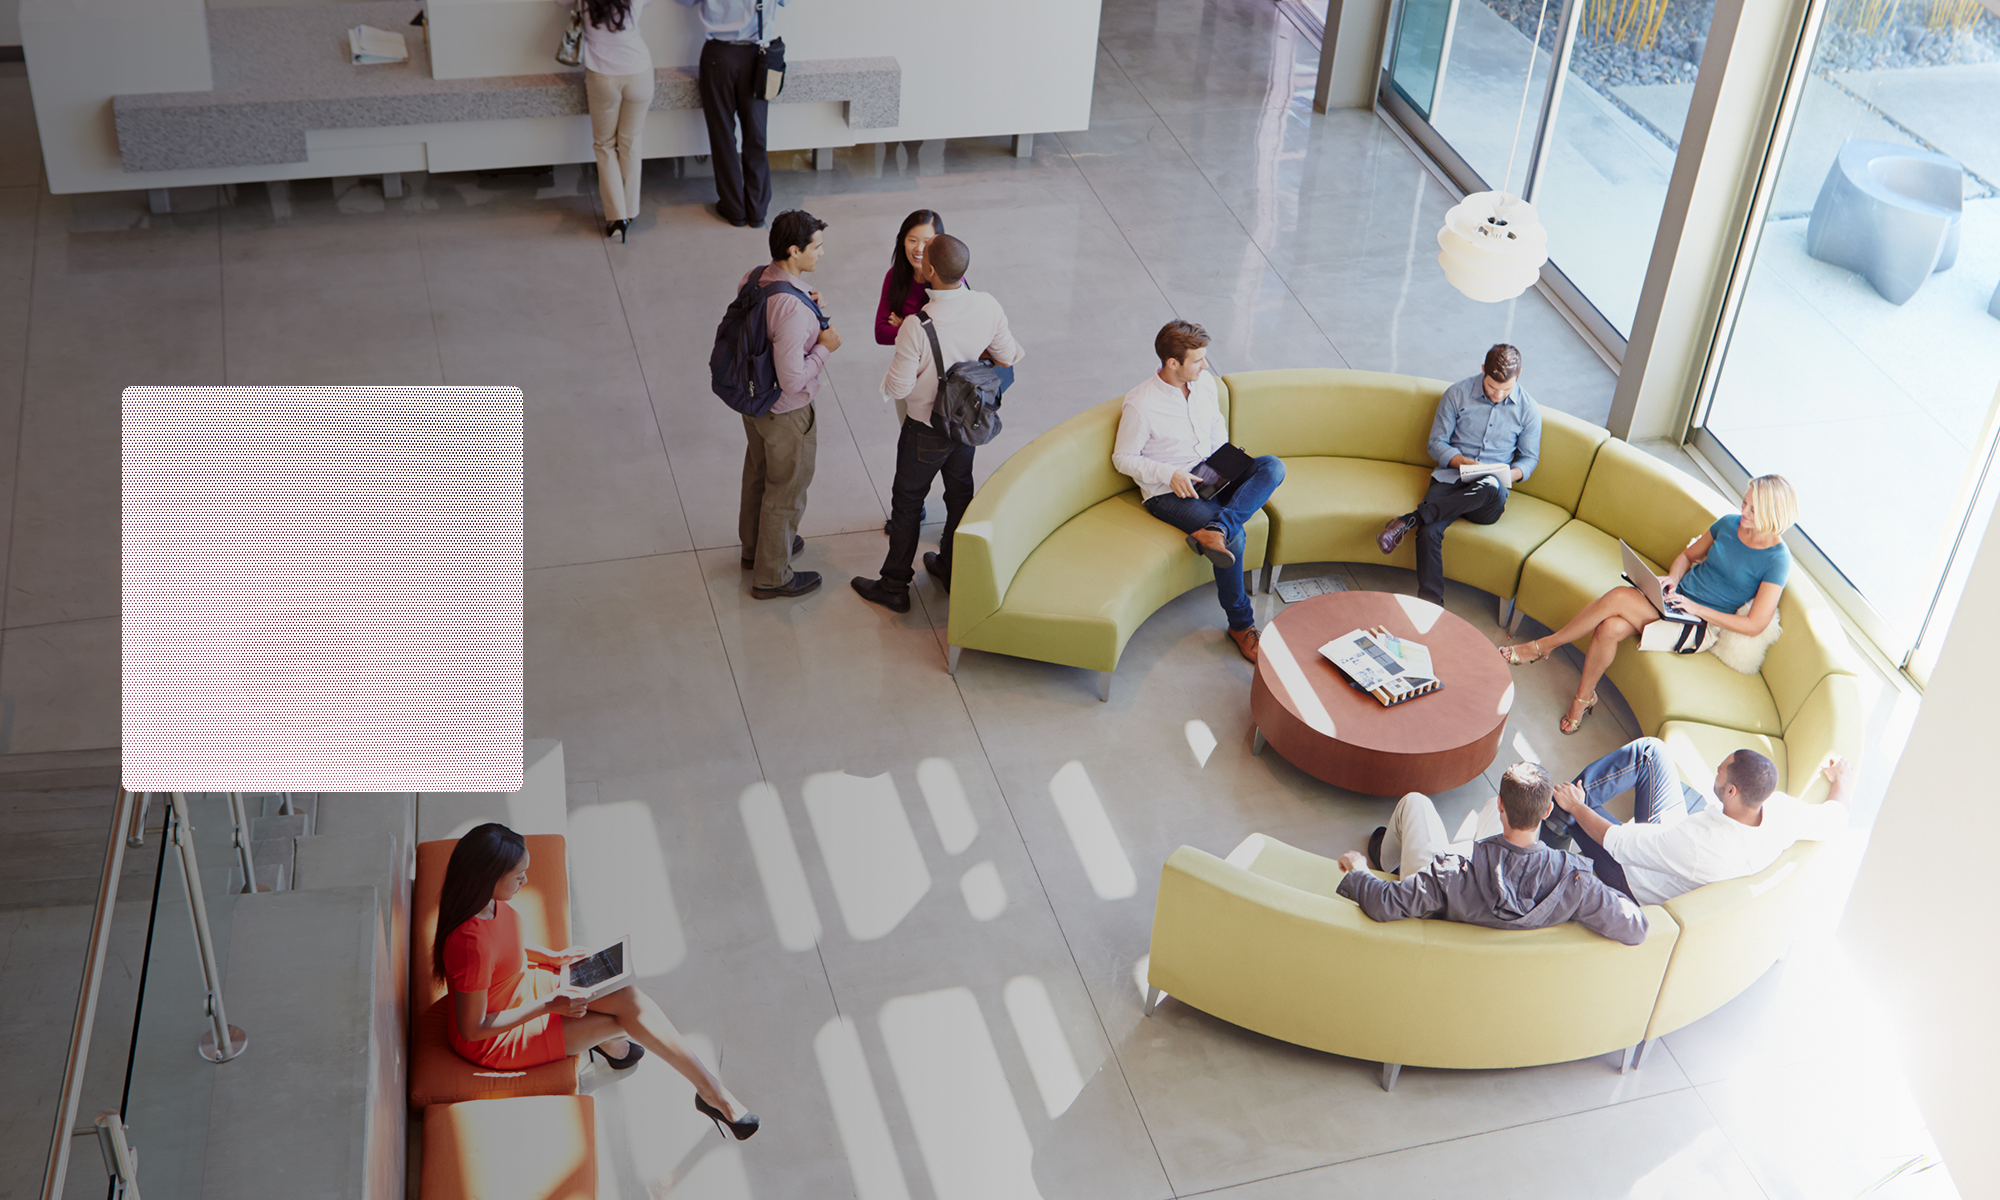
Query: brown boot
(1392, 534)
(1246, 641)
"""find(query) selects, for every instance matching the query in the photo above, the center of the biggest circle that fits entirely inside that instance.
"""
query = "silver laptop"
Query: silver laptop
(1650, 585)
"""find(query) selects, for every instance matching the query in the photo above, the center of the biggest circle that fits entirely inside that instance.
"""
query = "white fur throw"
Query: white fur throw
(1743, 653)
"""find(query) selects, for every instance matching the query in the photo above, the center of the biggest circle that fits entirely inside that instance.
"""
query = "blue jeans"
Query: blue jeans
(1658, 797)
(1226, 513)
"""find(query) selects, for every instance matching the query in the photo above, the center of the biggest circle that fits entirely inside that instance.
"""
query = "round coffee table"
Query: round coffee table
(1306, 710)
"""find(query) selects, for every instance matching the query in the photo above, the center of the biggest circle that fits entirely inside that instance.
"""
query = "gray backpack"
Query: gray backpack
(967, 409)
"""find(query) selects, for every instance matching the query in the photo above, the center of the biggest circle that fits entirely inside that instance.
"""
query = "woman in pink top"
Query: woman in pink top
(508, 1011)
(902, 293)
(618, 83)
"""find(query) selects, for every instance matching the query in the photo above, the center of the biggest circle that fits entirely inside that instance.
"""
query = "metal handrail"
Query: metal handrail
(86, 1001)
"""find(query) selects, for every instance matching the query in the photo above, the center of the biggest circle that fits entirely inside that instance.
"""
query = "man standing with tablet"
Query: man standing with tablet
(1486, 437)
(1169, 430)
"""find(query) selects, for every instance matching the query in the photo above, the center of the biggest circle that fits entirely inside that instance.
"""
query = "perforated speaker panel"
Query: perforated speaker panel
(322, 589)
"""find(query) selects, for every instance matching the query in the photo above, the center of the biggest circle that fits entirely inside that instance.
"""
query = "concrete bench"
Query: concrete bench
(280, 72)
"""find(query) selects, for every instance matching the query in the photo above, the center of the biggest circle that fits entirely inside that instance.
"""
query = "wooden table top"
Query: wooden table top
(1477, 691)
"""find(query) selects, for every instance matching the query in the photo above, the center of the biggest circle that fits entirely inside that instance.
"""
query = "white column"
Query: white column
(1918, 923)
(1350, 59)
(1735, 104)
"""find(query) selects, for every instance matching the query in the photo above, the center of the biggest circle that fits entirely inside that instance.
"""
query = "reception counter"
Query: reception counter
(154, 94)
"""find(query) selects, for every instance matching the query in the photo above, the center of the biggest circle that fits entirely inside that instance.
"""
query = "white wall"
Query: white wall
(1921, 921)
(10, 22)
(971, 68)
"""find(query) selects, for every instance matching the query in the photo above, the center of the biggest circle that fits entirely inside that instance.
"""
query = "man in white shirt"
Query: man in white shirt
(1169, 426)
(731, 90)
(969, 325)
(1677, 841)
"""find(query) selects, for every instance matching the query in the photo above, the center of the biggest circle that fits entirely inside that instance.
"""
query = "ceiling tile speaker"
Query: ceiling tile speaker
(322, 589)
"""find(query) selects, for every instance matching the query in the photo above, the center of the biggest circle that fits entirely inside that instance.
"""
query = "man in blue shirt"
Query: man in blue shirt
(1486, 437)
(731, 90)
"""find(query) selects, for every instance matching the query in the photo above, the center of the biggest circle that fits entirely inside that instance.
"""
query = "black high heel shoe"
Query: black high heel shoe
(742, 1129)
(617, 229)
(634, 1052)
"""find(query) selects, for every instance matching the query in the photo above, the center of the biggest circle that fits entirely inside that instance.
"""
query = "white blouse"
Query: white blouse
(614, 51)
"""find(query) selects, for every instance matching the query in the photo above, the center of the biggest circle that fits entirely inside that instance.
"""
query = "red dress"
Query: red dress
(486, 956)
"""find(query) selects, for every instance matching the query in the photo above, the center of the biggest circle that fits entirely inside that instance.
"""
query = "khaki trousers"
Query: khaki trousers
(618, 105)
(1417, 834)
(777, 469)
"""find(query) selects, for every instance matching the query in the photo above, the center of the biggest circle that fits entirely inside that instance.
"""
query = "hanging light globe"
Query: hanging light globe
(1492, 246)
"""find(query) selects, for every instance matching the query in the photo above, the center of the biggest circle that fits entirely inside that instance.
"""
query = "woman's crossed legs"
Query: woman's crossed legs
(629, 1013)
(1611, 618)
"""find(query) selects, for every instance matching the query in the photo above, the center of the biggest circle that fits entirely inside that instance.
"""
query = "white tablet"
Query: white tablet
(603, 972)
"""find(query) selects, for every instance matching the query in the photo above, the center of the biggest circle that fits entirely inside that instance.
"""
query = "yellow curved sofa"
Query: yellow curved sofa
(1261, 941)
(1057, 560)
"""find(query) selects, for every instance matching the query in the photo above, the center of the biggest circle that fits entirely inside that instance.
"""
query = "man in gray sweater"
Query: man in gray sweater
(1510, 880)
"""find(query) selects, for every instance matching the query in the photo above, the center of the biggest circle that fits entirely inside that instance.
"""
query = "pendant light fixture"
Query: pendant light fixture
(1492, 246)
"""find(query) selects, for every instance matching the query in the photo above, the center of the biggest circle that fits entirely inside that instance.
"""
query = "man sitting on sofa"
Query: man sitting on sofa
(1168, 428)
(1677, 841)
(1487, 420)
(1505, 880)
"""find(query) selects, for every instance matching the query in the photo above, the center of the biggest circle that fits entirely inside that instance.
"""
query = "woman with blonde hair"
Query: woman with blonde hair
(618, 83)
(1741, 560)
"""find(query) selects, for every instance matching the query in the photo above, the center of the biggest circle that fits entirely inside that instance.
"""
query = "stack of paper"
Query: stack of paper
(372, 45)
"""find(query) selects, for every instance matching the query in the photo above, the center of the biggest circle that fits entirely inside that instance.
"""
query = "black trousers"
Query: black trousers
(1481, 502)
(922, 453)
(727, 81)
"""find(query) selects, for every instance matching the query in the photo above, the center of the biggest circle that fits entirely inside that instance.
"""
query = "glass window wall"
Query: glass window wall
(1865, 353)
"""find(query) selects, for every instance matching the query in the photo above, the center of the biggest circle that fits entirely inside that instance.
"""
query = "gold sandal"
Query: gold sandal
(1569, 726)
(1513, 656)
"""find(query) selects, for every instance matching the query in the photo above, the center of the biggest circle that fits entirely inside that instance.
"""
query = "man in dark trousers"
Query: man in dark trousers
(1486, 438)
(731, 91)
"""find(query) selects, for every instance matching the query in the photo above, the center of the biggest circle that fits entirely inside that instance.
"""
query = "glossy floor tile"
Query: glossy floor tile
(905, 915)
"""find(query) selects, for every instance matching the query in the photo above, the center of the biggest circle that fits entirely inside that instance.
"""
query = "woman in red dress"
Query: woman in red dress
(510, 1012)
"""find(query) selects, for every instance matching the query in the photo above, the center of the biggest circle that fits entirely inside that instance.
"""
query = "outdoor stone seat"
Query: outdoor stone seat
(1889, 212)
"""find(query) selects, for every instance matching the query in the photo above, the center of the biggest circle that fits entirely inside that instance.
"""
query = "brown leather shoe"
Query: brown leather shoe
(1246, 641)
(1392, 534)
(1211, 544)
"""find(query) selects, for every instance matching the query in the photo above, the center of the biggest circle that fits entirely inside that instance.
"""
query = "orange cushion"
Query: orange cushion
(437, 1074)
(529, 1148)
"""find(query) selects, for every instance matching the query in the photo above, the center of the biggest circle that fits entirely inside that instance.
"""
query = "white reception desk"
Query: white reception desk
(153, 94)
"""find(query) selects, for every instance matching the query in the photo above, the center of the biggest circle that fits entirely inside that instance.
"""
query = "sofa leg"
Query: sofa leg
(1104, 687)
(1271, 576)
(1506, 612)
(1257, 742)
(1153, 997)
(1635, 1057)
(1389, 1073)
(1513, 619)
(951, 660)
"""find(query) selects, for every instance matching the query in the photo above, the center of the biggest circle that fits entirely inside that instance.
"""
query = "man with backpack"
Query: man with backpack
(783, 437)
(951, 399)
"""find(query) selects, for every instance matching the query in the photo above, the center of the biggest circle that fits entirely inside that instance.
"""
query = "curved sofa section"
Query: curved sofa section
(1057, 560)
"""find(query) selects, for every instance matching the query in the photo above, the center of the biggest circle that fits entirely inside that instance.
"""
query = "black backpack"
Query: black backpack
(742, 369)
(967, 409)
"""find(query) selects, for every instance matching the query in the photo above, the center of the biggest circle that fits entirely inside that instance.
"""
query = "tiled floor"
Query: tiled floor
(941, 999)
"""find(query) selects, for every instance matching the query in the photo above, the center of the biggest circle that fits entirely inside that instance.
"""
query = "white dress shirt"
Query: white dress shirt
(968, 325)
(1160, 431)
(1664, 861)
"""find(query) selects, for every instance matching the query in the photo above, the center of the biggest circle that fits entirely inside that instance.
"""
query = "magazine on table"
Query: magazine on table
(1387, 667)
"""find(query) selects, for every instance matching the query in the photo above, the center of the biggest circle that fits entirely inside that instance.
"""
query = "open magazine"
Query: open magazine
(1385, 666)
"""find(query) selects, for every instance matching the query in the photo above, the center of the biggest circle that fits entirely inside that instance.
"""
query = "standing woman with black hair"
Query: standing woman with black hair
(508, 1011)
(618, 82)
(902, 292)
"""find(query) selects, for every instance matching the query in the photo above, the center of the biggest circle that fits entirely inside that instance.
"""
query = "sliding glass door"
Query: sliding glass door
(1607, 91)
